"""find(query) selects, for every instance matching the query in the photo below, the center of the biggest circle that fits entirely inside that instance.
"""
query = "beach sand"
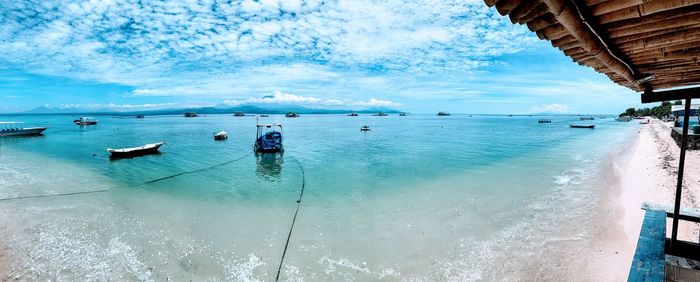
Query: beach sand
(644, 172)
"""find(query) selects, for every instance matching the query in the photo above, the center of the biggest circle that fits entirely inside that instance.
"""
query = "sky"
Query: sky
(417, 56)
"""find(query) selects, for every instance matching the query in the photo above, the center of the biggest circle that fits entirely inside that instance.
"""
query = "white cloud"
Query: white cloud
(549, 108)
(284, 98)
(221, 49)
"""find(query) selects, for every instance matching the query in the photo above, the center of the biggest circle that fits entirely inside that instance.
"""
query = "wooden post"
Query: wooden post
(681, 165)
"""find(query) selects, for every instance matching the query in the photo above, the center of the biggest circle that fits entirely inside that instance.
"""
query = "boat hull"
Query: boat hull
(582, 126)
(135, 152)
(24, 131)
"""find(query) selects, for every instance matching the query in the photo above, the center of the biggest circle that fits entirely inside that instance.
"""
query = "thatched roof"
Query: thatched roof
(627, 40)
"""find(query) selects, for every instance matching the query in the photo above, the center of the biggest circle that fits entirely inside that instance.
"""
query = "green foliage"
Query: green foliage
(659, 111)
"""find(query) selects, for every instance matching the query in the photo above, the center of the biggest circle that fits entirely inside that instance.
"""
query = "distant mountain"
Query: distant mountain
(218, 109)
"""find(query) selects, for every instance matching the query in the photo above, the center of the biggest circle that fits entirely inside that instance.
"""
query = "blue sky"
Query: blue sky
(417, 56)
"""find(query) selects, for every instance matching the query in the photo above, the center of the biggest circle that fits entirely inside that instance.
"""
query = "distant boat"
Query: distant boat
(221, 135)
(624, 118)
(264, 115)
(364, 128)
(510, 115)
(16, 129)
(403, 114)
(582, 126)
(586, 118)
(139, 116)
(353, 115)
(638, 117)
(291, 115)
(268, 141)
(443, 114)
(191, 114)
(646, 121)
(238, 114)
(135, 151)
(544, 120)
(85, 121)
(380, 114)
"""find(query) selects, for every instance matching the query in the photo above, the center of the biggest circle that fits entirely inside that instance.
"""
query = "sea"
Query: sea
(416, 198)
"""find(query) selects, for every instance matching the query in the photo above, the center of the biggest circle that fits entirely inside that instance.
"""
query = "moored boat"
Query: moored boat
(364, 128)
(582, 126)
(191, 114)
(268, 141)
(380, 114)
(238, 114)
(135, 151)
(222, 135)
(443, 114)
(586, 118)
(85, 121)
(291, 115)
(139, 116)
(353, 115)
(16, 129)
(264, 115)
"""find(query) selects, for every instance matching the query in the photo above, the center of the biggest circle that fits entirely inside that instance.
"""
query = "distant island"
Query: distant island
(219, 109)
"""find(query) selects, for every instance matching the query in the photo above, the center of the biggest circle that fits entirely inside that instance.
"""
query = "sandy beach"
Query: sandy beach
(645, 172)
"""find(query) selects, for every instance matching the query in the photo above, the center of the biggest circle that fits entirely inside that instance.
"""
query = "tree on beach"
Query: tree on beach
(659, 111)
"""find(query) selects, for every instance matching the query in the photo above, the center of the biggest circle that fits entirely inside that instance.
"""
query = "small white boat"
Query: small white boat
(364, 128)
(135, 151)
(646, 121)
(16, 129)
(221, 135)
(85, 121)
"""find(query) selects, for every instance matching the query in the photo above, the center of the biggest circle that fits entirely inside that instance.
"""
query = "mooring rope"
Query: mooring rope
(110, 189)
(294, 219)
(195, 171)
(54, 195)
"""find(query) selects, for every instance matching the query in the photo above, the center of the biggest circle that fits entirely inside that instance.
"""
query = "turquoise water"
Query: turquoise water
(417, 198)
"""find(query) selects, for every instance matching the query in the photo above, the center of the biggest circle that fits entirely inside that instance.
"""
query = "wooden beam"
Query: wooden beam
(670, 95)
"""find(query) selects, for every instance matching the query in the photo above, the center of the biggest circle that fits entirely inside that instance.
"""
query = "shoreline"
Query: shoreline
(645, 171)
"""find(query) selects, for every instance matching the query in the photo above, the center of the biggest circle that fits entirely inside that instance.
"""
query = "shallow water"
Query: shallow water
(417, 198)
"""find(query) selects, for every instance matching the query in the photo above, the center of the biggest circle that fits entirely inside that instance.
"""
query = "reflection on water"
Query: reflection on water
(269, 166)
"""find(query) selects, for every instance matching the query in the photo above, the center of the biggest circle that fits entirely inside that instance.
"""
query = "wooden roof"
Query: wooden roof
(640, 44)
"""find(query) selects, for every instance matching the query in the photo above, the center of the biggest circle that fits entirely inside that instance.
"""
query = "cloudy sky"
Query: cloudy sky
(418, 56)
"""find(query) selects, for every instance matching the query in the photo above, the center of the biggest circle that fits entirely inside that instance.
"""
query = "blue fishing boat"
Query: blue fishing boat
(268, 138)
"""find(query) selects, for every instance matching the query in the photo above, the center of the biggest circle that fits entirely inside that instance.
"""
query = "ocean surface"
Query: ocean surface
(417, 198)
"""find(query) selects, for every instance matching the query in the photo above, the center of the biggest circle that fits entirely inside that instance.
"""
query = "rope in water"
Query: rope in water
(110, 189)
(294, 219)
(194, 171)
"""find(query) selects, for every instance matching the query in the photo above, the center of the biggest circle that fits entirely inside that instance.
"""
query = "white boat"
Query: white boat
(15, 129)
(221, 135)
(364, 128)
(135, 151)
(85, 121)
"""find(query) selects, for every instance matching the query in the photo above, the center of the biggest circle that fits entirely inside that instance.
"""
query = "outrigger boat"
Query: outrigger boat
(582, 126)
(268, 139)
(85, 121)
(135, 151)
(221, 135)
(15, 129)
